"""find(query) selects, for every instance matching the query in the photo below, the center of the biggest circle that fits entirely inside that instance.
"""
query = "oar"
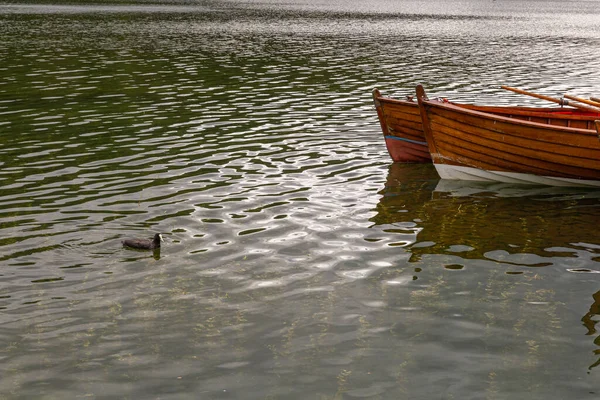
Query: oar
(579, 99)
(562, 102)
(595, 99)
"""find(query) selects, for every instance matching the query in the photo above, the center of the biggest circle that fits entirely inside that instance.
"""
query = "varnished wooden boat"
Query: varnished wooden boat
(469, 144)
(402, 128)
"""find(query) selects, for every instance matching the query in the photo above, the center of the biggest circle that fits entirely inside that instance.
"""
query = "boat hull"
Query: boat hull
(407, 150)
(455, 172)
(472, 145)
(402, 129)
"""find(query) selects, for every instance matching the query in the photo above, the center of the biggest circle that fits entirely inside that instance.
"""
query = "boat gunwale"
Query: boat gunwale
(508, 120)
(534, 112)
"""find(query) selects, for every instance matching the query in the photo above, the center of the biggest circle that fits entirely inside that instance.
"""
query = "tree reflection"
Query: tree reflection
(590, 324)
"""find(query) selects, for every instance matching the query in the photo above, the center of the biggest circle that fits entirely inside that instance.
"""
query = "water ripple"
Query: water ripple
(294, 253)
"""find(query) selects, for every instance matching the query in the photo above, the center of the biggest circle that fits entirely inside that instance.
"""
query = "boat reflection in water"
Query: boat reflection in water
(515, 245)
(486, 216)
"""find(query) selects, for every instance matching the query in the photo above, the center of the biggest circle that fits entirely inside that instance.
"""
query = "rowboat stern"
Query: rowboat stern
(402, 133)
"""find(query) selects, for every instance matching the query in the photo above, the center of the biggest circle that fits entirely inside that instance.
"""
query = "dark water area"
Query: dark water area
(298, 261)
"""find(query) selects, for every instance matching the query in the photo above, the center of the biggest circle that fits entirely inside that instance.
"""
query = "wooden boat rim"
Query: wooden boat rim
(540, 112)
(500, 118)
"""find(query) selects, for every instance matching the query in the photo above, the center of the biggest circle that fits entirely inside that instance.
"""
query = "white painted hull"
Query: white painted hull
(455, 172)
(463, 188)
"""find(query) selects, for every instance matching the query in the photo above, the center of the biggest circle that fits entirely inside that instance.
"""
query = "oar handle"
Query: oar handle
(585, 101)
(562, 102)
(539, 96)
(596, 99)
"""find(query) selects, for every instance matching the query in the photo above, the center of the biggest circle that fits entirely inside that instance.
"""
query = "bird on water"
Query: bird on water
(144, 244)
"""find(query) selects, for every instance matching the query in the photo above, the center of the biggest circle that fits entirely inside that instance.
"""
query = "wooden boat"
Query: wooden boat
(402, 128)
(469, 144)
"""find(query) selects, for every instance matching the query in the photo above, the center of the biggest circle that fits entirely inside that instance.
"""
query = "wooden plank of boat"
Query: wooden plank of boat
(402, 128)
(470, 144)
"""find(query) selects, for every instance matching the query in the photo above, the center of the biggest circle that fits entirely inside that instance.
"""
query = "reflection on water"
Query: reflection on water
(298, 263)
(541, 220)
(590, 324)
(515, 227)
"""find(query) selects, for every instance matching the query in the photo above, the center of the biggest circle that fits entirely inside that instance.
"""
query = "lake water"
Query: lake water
(298, 262)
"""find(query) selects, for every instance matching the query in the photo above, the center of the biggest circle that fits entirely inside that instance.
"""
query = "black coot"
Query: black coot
(144, 244)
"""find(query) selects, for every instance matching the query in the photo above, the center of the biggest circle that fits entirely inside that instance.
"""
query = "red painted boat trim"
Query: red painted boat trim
(407, 151)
